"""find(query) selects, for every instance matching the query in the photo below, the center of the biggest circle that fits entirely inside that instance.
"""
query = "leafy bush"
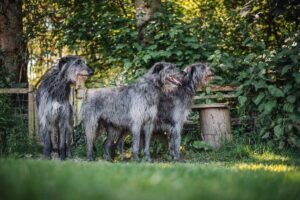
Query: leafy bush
(270, 91)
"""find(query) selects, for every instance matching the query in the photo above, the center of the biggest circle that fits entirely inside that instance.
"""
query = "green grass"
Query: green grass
(242, 169)
(279, 178)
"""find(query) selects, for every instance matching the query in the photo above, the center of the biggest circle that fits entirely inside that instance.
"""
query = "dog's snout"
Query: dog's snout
(90, 72)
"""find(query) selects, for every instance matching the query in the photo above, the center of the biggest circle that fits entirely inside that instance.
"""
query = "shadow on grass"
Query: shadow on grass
(238, 151)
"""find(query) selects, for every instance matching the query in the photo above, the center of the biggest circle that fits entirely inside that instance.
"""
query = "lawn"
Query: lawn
(263, 176)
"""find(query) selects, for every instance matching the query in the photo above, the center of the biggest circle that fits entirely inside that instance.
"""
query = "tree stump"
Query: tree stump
(215, 124)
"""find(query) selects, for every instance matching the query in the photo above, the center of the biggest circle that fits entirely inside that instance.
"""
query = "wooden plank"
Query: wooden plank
(222, 96)
(211, 105)
(14, 90)
(217, 88)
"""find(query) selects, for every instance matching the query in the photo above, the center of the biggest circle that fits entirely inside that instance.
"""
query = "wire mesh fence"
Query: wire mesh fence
(16, 118)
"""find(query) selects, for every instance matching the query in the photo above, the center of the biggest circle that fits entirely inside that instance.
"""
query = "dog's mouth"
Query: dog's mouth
(174, 80)
(84, 75)
(209, 77)
(80, 80)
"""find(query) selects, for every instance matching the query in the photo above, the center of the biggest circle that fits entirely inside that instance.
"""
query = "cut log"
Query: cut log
(215, 124)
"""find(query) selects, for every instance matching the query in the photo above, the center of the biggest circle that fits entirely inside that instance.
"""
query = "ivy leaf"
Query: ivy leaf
(294, 58)
(146, 58)
(275, 92)
(266, 135)
(259, 84)
(278, 131)
(250, 57)
(259, 98)
(127, 64)
(242, 100)
(269, 106)
(285, 69)
(287, 107)
(291, 99)
(297, 77)
(178, 53)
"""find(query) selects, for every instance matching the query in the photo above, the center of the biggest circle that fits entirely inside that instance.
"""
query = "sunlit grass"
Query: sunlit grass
(265, 167)
(268, 156)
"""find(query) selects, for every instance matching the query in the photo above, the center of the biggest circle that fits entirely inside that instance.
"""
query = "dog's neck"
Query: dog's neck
(150, 88)
(58, 87)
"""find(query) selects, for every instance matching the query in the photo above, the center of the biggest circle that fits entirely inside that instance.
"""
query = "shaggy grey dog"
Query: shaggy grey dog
(132, 108)
(174, 108)
(54, 110)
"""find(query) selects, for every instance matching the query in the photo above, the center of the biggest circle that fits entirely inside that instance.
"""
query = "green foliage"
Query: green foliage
(273, 92)
(79, 144)
(13, 131)
(14, 139)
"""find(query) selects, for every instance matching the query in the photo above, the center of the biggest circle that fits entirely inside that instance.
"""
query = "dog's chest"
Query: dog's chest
(143, 108)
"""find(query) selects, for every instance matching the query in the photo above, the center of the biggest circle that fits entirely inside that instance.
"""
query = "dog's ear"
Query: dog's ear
(191, 71)
(62, 62)
(157, 67)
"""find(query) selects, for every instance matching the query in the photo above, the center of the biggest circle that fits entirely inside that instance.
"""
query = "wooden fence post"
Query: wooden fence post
(31, 111)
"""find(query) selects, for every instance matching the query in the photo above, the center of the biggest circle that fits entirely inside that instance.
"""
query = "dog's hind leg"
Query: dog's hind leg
(69, 134)
(46, 134)
(90, 132)
(69, 140)
(62, 140)
(108, 146)
(120, 144)
(54, 141)
(171, 146)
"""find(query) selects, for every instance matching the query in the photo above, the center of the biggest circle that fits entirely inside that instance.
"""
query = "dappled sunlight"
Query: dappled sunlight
(264, 167)
(164, 165)
(268, 156)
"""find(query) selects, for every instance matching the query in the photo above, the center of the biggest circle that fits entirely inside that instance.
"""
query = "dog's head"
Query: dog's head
(197, 75)
(167, 76)
(74, 69)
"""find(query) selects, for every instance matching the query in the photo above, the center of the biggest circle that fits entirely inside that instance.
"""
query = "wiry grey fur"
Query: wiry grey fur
(54, 110)
(132, 108)
(173, 108)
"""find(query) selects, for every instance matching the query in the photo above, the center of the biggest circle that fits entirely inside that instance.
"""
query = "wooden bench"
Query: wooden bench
(223, 93)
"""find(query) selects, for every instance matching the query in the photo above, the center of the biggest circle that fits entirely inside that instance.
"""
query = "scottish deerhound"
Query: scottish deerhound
(132, 107)
(54, 110)
(173, 108)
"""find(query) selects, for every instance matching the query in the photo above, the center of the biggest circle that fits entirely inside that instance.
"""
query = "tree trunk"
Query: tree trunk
(145, 10)
(13, 54)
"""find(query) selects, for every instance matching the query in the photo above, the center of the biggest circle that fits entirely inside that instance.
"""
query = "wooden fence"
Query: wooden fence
(31, 115)
(78, 97)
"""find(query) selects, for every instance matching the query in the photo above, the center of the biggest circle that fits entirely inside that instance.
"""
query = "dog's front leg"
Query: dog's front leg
(175, 142)
(136, 131)
(148, 129)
